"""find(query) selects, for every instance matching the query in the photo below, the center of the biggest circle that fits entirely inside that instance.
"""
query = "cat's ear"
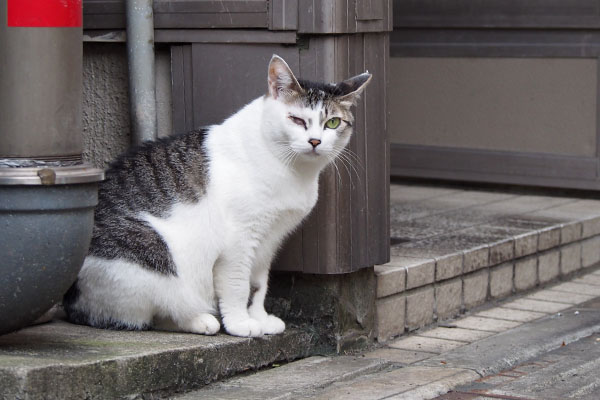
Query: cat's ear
(351, 88)
(282, 81)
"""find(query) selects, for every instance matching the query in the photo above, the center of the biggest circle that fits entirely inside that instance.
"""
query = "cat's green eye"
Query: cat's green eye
(333, 123)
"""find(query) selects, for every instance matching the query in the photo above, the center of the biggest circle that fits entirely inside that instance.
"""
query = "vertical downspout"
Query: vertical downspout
(142, 85)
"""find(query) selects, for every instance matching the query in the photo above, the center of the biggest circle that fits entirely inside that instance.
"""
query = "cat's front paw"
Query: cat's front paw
(205, 324)
(245, 328)
(272, 325)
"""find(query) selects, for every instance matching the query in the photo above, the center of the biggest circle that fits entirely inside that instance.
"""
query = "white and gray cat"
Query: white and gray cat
(187, 226)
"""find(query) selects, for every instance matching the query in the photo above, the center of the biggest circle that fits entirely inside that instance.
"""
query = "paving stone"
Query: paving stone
(403, 212)
(501, 280)
(549, 238)
(475, 288)
(394, 384)
(418, 249)
(536, 305)
(448, 298)
(514, 347)
(391, 278)
(578, 288)
(570, 258)
(391, 313)
(473, 198)
(448, 266)
(419, 307)
(511, 314)
(485, 324)
(502, 251)
(445, 223)
(548, 265)
(439, 386)
(591, 227)
(420, 274)
(289, 380)
(427, 344)
(574, 210)
(476, 258)
(570, 232)
(458, 334)
(491, 233)
(408, 193)
(569, 372)
(588, 279)
(398, 355)
(560, 297)
(526, 223)
(590, 251)
(523, 204)
(526, 244)
(455, 239)
(525, 273)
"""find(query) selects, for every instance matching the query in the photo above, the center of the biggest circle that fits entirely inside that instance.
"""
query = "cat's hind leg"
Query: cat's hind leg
(185, 307)
(106, 296)
(202, 324)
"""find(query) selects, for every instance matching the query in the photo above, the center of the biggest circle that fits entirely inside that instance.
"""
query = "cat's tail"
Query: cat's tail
(69, 300)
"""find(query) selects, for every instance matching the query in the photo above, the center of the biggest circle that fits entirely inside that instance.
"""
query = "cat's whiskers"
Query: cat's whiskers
(352, 156)
(332, 161)
(285, 153)
(289, 158)
(348, 160)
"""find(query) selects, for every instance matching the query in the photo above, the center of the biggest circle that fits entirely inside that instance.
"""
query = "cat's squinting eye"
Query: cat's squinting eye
(333, 123)
(298, 121)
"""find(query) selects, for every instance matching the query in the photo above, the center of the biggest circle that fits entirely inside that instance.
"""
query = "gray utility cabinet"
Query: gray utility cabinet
(219, 55)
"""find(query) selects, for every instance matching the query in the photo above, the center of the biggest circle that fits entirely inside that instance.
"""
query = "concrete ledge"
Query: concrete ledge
(59, 360)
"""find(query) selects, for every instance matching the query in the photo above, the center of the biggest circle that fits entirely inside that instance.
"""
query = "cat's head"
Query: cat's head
(310, 122)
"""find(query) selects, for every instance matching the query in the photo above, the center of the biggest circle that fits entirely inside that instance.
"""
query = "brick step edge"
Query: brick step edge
(415, 292)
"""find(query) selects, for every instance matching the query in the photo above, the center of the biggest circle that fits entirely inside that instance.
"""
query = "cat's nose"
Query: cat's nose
(314, 142)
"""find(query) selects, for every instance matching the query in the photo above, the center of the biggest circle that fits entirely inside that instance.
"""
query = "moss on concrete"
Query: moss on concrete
(60, 360)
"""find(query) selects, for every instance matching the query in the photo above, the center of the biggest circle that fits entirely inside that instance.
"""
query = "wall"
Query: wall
(106, 125)
(543, 105)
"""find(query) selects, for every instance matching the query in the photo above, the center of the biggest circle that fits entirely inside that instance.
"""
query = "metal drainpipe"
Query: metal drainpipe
(142, 84)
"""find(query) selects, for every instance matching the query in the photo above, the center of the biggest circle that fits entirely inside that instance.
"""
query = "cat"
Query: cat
(187, 226)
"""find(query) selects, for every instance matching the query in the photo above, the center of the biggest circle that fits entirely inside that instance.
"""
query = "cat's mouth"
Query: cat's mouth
(312, 153)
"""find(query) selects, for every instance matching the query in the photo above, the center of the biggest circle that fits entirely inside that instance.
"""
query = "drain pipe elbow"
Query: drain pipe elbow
(142, 79)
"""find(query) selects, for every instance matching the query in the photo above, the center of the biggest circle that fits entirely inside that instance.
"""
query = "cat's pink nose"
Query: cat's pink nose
(314, 142)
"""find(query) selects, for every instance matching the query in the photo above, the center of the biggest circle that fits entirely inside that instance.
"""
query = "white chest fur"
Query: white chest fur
(252, 200)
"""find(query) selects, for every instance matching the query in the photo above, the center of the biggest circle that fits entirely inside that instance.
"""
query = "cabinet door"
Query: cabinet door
(496, 92)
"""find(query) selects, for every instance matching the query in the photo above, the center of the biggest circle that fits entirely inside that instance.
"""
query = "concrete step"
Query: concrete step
(432, 361)
(455, 249)
(290, 381)
(59, 360)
